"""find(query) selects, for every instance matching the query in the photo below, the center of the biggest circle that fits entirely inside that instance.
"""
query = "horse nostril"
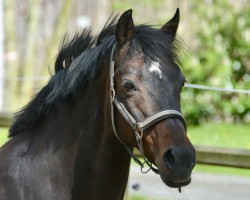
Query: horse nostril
(169, 159)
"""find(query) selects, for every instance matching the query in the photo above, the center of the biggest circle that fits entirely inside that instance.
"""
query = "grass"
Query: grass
(138, 197)
(222, 135)
(142, 197)
(222, 170)
(3, 135)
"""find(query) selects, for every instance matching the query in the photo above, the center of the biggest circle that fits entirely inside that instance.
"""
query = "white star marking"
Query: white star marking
(155, 68)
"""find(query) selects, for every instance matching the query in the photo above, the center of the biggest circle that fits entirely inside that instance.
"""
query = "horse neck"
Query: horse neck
(102, 164)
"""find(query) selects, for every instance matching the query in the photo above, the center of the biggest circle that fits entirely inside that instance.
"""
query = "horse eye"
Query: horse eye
(129, 86)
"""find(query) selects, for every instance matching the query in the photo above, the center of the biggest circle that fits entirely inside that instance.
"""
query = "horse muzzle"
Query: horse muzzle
(176, 165)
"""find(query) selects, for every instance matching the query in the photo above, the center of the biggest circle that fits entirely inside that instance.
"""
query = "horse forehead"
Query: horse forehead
(134, 63)
(155, 69)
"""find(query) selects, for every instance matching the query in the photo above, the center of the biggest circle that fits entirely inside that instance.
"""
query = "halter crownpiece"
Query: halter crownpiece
(138, 127)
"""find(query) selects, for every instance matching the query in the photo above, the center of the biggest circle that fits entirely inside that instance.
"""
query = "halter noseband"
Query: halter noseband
(138, 127)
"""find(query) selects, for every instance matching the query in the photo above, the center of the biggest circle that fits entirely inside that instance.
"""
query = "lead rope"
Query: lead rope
(137, 135)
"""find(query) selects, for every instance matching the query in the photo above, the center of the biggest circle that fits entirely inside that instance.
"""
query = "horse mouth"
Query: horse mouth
(176, 184)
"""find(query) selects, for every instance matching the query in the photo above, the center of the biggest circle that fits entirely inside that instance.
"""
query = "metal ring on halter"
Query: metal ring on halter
(149, 167)
(139, 129)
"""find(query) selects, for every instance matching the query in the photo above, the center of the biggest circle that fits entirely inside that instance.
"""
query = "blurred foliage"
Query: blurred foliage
(126, 4)
(219, 57)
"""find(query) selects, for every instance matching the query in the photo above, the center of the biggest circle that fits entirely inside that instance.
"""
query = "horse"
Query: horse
(110, 93)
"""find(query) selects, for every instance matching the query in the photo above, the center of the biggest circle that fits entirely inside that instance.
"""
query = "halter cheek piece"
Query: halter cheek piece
(138, 127)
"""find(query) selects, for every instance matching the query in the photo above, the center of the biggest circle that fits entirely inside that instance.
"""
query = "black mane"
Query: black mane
(77, 64)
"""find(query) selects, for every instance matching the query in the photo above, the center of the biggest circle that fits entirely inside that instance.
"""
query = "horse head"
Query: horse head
(147, 84)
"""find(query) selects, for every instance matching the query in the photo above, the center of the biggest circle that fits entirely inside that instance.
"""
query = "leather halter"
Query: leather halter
(138, 127)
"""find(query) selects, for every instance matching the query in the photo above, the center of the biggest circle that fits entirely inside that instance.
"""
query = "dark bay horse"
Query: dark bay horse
(109, 94)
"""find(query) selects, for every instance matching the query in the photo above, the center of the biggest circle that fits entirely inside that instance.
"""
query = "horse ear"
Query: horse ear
(124, 28)
(172, 25)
